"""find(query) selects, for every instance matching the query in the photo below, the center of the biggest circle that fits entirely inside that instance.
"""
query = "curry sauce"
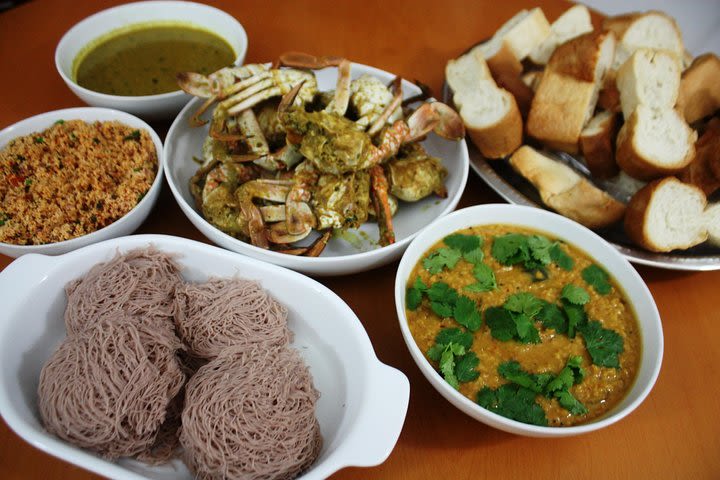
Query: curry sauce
(601, 388)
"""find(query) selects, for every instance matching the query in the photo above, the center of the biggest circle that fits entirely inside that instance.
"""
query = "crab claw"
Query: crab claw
(436, 117)
(305, 60)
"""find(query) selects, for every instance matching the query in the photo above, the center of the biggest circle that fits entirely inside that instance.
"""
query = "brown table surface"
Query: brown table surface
(675, 433)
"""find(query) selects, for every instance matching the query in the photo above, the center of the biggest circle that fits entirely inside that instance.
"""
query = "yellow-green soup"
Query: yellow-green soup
(144, 59)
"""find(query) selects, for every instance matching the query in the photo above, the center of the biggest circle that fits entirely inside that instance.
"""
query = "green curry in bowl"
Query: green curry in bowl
(526, 326)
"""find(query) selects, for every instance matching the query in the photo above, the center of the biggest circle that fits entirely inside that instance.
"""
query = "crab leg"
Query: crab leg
(340, 103)
(299, 216)
(273, 190)
(305, 60)
(381, 204)
(436, 117)
(394, 104)
(278, 233)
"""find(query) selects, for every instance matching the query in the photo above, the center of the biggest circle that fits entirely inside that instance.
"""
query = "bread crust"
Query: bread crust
(637, 218)
(566, 191)
(609, 98)
(501, 138)
(506, 70)
(598, 147)
(632, 162)
(580, 56)
(700, 88)
(704, 170)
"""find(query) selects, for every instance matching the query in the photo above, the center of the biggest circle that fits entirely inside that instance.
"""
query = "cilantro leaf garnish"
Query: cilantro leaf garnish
(553, 317)
(134, 135)
(447, 363)
(466, 367)
(570, 403)
(513, 372)
(510, 249)
(574, 294)
(467, 314)
(524, 302)
(561, 259)
(474, 256)
(501, 324)
(570, 375)
(513, 401)
(485, 279)
(454, 335)
(603, 345)
(441, 258)
(413, 295)
(597, 278)
(540, 248)
(463, 243)
(576, 317)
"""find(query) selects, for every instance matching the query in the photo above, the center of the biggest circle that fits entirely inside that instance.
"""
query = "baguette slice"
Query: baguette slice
(667, 215)
(650, 77)
(565, 191)
(597, 144)
(560, 109)
(700, 88)
(490, 114)
(704, 169)
(609, 98)
(532, 79)
(652, 29)
(712, 223)
(587, 57)
(654, 143)
(520, 35)
(572, 23)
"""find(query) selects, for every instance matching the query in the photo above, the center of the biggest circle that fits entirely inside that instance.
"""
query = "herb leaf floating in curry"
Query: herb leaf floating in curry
(532, 320)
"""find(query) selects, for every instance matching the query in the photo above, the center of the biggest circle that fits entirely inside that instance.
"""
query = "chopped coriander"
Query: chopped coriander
(510, 249)
(597, 278)
(515, 320)
(524, 302)
(474, 256)
(134, 135)
(463, 243)
(561, 259)
(570, 403)
(28, 182)
(466, 367)
(574, 294)
(455, 362)
(441, 258)
(466, 313)
(38, 140)
(513, 372)
(442, 299)
(413, 295)
(570, 375)
(454, 335)
(501, 323)
(485, 279)
(603, 345)
(576, 317)
(553, 317)
(540, 249)
(513, 401)
(447, 363)
(59, 122)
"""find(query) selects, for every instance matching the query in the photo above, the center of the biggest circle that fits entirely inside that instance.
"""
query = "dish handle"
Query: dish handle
(382, 418)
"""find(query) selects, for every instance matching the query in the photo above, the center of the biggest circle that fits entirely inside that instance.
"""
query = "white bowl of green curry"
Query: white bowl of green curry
(528, 321)
(127, 57)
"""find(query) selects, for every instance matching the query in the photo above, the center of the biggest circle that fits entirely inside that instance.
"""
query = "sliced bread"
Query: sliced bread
(587, 57)
(650, 77)
(667, 215)
(700, 88)
(652, 29)
(490, 114)
(704, 169)
(712, 223)
(572, 23)
(597, 145)
(566, 191)
(654, 143)
(609, 98)
(520, 35)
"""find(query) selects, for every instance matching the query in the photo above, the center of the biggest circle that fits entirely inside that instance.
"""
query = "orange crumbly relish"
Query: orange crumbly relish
(72, 179)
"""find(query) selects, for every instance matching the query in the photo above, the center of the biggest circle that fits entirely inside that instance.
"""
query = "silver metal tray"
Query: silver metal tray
(500, 176)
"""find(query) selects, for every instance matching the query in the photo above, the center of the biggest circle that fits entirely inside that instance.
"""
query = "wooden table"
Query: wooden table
(674, 434)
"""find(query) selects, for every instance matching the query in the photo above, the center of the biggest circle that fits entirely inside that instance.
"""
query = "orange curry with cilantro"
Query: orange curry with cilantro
(525, 325)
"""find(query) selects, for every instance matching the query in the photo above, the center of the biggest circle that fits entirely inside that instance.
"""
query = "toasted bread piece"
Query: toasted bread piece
(560, 109)
(572, 23)
(506, 70)
(665, 215)
(597, 144)
(650, 77)
(712, 223)
(700, 88)
(654, 143)
(703, 170)
(520, 35)
(490, 114)
(586, 57)
(652, 29)
(532, 79)
(565, 191)
(609, 98)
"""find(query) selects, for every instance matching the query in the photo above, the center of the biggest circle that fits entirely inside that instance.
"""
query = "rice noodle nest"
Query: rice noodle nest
(108, 388)
(250, 414)
(140, 282)
(225, 312)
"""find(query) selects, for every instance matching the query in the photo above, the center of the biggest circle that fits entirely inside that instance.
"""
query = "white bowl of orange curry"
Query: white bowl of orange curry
(127, 57)
(528, 321)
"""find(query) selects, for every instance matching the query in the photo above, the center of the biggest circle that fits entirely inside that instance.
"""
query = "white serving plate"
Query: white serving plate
(362, 405)
(126, 224)
(358, 249)
(575, 234)
(163, 105)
